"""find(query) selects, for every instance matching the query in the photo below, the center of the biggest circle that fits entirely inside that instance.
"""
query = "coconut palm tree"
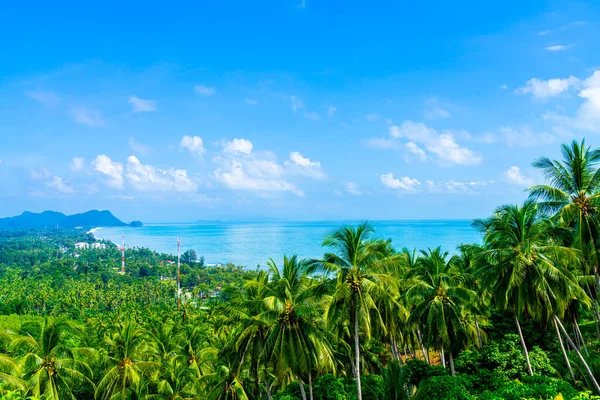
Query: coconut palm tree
(297, 342)
(361, 266)
(51, 366)
(127, 361)
(439, 299)
(522, 260)
(249, 330)
(573, 194)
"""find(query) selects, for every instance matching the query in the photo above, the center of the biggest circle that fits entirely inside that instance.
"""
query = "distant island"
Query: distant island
(54, 219)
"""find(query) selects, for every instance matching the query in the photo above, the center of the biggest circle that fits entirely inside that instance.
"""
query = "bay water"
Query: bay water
(252, 243)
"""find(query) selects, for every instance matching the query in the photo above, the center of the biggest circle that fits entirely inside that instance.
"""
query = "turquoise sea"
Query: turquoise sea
(253, 243)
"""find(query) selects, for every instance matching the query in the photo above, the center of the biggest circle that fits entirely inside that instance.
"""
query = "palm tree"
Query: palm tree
(523, 264)
(51, 366)
(175, 381)
(297, 341)
(127, 361)
(440, 298)
(360, 264)
(573, 194)
(250, 331)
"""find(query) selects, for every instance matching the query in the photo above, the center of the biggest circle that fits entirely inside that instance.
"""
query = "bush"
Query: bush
(443, 388)
(372, 387)
(328, 387)
(416, 371)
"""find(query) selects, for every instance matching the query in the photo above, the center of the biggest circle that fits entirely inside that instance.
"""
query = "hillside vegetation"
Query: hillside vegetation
(514, 318)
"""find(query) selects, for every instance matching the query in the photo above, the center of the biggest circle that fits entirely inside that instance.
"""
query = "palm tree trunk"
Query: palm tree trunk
(577, 343)
(581, 336)
(479, 340)
(442, 358)
(357, 357)
(302, 391)
(310, 391)
(268, 385)
(562, 347)
(595, 307)
(425, 355)
(451, 360)
(586, 366)
(523, 344)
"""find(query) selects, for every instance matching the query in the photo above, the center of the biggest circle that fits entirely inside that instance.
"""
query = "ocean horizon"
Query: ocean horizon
(251, 244)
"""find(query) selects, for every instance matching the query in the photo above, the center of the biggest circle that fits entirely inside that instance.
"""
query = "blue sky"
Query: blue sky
(290, 109)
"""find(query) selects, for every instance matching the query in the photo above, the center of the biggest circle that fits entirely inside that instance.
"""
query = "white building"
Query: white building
(82, 245)
(98, 246)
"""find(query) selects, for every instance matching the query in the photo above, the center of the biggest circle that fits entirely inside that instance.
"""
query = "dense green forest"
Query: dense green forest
(515, 317)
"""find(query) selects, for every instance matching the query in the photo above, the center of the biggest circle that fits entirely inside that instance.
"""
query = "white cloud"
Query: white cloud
(442, 145)
(435, 110)
(372, 117)
(58, 185)
(452, 186)
(331, 110)
(587, 116)
(404, 183)
(204, 90)
(138, 147)
(557, 47)
(193, 143)
(353, 188)
(514, 176)
(237, 146)
(148, 178)
(239, 168)
(251, 102)
(112, 170)
(414, 149)
(504, 86)
(300, 165)
(47, 98)
(85, 116)
(77, 163)
(543, 89)
(236, 178)
(296, 103)
(142, 105)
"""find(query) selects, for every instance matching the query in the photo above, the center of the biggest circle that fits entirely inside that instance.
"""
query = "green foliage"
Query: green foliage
(353, 324)
(442, 388)
(416, 371)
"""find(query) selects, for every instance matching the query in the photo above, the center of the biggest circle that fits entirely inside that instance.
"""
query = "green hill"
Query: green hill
(53, 219)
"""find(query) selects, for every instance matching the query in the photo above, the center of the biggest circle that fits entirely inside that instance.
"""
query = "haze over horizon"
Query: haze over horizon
(293, 109)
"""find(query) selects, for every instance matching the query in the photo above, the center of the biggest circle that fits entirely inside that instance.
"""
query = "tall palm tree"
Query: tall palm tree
(522, 261)
(361, 266)
(440, 298)
(249, 330)
(51, 366)
(127, 361)
(297, 340)
(573, 194)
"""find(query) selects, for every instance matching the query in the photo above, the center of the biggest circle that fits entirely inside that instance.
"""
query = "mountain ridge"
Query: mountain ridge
(55, 219)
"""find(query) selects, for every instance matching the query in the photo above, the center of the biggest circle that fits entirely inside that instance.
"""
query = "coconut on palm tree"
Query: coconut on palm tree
(51, 367)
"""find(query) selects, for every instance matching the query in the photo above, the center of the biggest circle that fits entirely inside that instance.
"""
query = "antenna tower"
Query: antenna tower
(123, 254)
(178, 274)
